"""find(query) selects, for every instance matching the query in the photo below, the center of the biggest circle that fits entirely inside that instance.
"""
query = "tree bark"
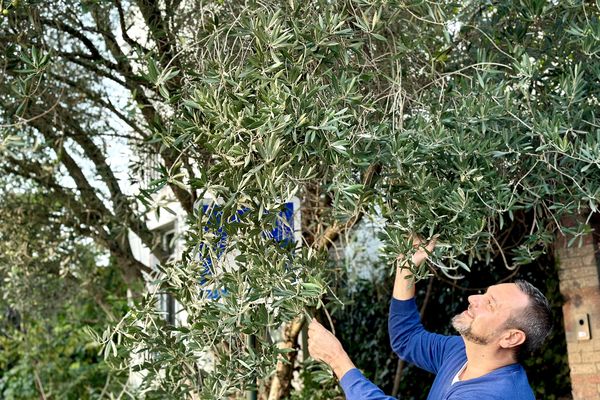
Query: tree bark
(281, 383)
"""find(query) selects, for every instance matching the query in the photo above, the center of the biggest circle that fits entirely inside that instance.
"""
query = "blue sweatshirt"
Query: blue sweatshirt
(443, 356)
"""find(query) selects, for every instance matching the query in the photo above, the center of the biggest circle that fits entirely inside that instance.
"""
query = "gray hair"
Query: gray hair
(535, 320)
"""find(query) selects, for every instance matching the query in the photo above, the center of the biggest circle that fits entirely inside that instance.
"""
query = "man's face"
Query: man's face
(484, 320)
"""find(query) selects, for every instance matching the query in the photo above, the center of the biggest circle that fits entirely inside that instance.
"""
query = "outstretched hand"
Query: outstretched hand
(324, 346)
(404, 287)
(423, 249)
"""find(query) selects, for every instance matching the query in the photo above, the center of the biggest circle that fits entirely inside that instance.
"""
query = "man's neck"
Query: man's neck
(483, 359)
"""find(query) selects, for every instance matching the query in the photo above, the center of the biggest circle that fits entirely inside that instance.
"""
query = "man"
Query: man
(480, 364)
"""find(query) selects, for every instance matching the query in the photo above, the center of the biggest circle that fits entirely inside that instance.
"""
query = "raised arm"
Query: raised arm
(408, 337)
(404, 284)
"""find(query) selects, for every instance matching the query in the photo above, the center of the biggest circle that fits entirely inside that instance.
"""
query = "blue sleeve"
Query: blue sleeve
(357, 387)
(411, 341)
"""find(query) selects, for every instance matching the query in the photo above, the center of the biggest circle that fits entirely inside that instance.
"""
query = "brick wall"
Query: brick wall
(580, 285)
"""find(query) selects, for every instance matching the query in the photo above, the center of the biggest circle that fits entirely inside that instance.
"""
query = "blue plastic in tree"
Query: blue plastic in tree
(282, 233)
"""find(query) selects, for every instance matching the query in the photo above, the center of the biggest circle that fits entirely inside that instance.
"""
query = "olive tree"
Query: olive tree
(463, 120)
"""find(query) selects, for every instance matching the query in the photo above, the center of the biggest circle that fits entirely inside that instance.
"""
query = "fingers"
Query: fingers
(416, 240)
(431, 245)
(322, 345)
(315, 328)
(314, 333)
(423, 251)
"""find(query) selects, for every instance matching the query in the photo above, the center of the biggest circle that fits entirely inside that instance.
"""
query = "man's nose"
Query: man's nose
(473, 299)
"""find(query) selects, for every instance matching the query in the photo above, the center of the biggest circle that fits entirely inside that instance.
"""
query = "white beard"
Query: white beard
(464, 328)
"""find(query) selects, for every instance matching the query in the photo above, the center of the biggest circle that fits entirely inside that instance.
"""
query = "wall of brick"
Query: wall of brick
(579, 276)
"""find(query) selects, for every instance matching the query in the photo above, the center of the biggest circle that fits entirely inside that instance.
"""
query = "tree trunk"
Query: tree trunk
(281, 383)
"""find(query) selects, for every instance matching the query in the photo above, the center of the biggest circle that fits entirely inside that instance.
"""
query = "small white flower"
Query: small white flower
(453, 27)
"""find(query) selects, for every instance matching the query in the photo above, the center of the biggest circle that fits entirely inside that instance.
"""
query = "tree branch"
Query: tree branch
(124, 29)
(35, 172)
(82, 215)
(97, 97)
(77, 54)
(121, 203)
(336, 229)
(60, 25)
(93, 68)
(151, 115)
(158, 30)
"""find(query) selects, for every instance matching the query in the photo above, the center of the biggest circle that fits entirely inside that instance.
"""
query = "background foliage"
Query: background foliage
(52, 293)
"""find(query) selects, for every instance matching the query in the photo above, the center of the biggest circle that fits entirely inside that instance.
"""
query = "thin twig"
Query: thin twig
(105, 387)
(510, 268)
(475, 66)
(330, 320)
(25, 121)
(477, 289)
(38, 384)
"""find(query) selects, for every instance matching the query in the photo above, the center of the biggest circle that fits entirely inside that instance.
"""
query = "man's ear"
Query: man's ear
(512, 338)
